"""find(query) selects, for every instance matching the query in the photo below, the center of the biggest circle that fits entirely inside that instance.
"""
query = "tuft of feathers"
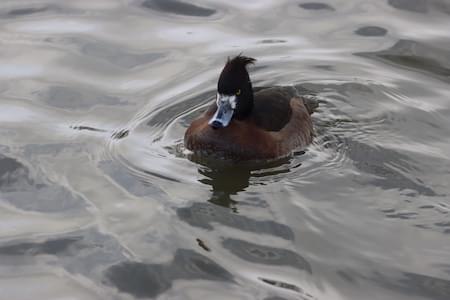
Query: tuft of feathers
(240, 61)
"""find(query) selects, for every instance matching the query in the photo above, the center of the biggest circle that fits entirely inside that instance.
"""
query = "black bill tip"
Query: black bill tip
(216, 124)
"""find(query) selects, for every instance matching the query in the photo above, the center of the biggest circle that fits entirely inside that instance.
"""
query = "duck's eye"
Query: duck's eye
(238, 92)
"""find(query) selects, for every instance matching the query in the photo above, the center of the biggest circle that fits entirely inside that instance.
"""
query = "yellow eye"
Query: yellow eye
(238, 92)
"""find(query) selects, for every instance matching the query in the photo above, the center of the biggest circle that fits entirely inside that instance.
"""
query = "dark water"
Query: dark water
(98, 199)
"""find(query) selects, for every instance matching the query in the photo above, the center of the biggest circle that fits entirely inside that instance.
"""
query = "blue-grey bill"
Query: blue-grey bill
(223, 115)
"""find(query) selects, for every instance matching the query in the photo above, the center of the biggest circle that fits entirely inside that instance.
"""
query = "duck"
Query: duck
(243, 125)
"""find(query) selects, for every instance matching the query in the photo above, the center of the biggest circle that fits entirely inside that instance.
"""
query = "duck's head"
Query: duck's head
(234, 92)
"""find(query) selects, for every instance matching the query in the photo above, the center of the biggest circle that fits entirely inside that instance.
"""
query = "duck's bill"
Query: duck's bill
(223, 114)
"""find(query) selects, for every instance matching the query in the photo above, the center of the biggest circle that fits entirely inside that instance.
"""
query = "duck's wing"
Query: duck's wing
(272, 110)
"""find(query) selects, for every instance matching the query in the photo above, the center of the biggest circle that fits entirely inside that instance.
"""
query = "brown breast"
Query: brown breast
(244, 140)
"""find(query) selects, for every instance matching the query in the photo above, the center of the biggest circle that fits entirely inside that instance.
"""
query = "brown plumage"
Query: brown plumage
(265, 125)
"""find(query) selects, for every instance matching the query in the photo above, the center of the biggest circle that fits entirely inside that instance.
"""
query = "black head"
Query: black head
(234, 80)
(234, 92)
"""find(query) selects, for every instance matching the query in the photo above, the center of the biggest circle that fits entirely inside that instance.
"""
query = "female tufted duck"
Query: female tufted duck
(242, 125)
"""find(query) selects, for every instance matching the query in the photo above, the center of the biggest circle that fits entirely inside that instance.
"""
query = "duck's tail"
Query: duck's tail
(311, 103)
(309, 98)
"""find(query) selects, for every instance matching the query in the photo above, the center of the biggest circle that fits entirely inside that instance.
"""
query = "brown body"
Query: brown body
(279, 123)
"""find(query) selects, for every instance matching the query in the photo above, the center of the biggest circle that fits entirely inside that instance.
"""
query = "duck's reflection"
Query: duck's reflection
(228, 179)
(225, 182)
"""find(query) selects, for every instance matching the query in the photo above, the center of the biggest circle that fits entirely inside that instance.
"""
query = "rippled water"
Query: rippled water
(99, 201)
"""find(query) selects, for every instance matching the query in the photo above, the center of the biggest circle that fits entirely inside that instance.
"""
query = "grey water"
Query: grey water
(98, 199)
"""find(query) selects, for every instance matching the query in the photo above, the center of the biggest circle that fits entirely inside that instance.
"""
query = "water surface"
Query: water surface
(99, 201)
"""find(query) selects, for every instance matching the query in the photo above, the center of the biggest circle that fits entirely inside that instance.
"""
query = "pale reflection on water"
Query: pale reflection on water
(98, 199)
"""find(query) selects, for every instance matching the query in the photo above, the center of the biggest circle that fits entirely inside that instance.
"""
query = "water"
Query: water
(99, 201)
